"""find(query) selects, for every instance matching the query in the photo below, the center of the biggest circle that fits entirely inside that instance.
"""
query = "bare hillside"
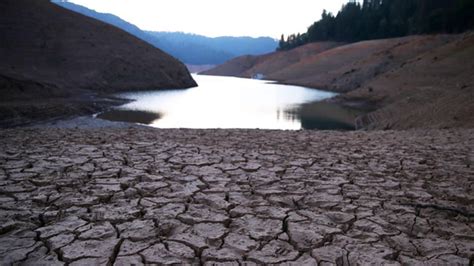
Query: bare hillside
(414, 81)
(434, 89)
(46, 44)
(249, 66)
(53, 61)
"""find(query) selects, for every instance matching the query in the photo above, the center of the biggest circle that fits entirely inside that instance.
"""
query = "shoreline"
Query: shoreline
(418, 81)
(76, 110)
(28, 113)
(341, 98)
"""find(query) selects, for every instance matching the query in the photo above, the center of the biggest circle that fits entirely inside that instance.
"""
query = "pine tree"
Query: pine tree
(373, 19)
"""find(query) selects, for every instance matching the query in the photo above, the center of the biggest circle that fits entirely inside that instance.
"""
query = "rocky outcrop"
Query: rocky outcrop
(146, 196)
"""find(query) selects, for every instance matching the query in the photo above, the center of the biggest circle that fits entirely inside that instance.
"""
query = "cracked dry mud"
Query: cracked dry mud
(133, 196)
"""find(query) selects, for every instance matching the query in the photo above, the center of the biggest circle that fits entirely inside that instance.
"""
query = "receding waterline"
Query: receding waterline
(227, 102)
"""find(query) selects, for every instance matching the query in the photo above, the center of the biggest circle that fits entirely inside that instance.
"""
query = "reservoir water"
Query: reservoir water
(228, 102)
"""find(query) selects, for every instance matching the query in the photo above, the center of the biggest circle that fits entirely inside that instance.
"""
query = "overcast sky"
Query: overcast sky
(218, 17)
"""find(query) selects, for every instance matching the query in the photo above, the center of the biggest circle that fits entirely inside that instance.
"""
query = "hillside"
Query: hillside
(191, 49)
(198, 50)
(434, 89)
(201, 54)
(248, 66)
(412, 81)
(48, 51)
(105, 17)
(346, 67)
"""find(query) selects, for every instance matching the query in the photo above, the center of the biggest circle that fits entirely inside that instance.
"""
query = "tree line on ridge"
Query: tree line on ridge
(378, 19)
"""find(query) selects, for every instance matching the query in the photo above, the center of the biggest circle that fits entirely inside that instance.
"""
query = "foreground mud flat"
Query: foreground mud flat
(124, 196)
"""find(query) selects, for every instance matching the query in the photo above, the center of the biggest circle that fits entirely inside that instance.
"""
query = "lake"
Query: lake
(228, 102)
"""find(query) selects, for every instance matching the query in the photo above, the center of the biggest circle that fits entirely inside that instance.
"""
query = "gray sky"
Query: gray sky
(218, 17)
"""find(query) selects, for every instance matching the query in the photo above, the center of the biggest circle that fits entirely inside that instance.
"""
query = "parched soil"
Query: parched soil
(133, 196)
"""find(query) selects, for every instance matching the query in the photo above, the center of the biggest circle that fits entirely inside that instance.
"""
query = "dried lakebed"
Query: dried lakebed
(133, 196)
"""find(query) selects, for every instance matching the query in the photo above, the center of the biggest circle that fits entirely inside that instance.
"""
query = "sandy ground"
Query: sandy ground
(141, 195)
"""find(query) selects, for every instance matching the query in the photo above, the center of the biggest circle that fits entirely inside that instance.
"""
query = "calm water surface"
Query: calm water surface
(227, 102)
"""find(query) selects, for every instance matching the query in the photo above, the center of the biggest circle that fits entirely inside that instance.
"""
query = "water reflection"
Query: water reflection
(132, 116)
(325, 116)
(226, 102)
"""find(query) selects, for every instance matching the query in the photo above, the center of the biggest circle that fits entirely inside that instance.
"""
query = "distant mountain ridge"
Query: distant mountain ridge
(224, 48)
(189, 48)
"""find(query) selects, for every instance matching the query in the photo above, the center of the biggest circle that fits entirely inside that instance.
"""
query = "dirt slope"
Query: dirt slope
(434, 89)
(52, 47)
(236, 67)
(415, 81)
(54, 62)
(248, 66)
(346, 67)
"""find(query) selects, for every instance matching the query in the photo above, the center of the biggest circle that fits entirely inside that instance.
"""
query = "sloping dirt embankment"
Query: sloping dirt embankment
(251, 65)
(50, 54)
(415, 81)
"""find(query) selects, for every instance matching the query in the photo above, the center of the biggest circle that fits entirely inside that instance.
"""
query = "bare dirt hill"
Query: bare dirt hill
(236, 67)
(346, 67)
(48, 44)
(434, 89)
(249, 66)
(273, 63)
(47, 51)
(414, 81)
